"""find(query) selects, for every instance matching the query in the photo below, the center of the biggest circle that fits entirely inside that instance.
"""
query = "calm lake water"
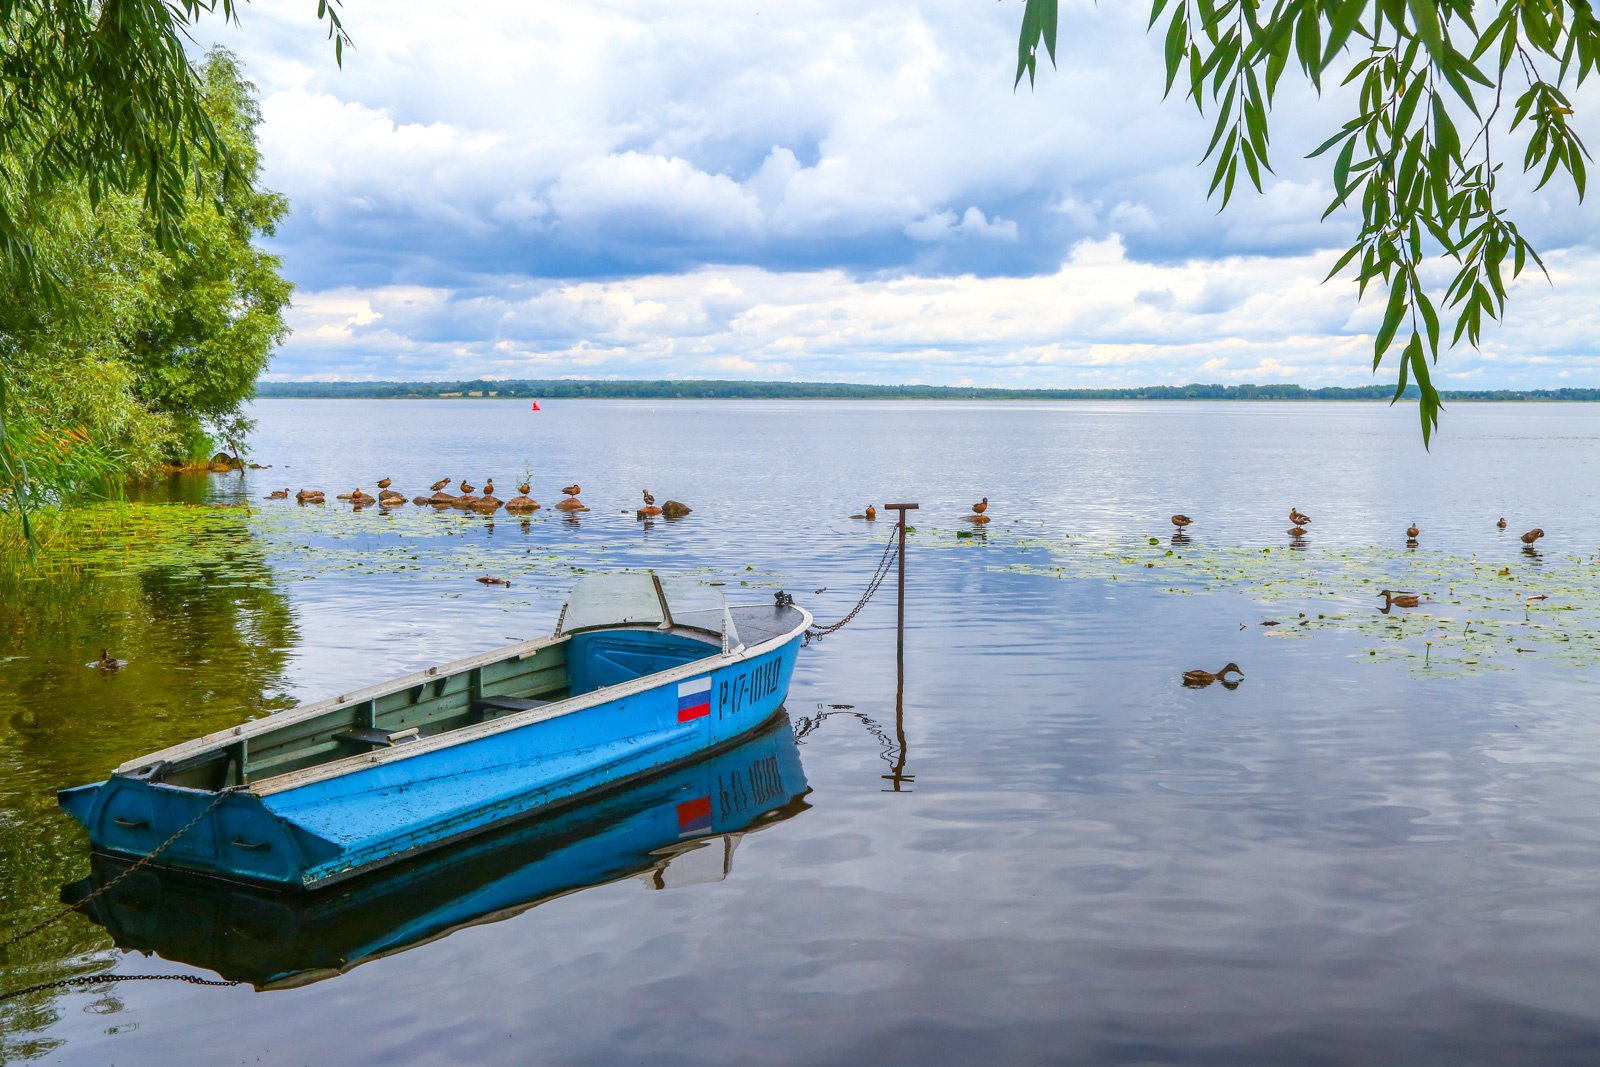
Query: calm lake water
(1036, 847)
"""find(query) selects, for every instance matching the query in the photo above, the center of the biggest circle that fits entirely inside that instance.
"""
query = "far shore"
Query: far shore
(577, 389)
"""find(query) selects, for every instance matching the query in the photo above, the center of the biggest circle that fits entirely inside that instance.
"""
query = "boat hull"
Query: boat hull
(384, 808)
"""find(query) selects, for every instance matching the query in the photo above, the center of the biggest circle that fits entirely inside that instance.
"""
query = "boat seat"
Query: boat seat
(487, 706)
(372, 737)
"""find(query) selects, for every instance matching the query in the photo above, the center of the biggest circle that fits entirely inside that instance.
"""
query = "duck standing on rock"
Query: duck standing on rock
(311, 496)
(522, 502)
(572, 490)
(384, 483)
(572, 503)
(488, 487)
(440, 484)
(649, 511)
(361, 499)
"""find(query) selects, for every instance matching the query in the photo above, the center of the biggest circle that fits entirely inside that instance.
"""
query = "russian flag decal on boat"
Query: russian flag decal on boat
(694, 699)
(694, 816)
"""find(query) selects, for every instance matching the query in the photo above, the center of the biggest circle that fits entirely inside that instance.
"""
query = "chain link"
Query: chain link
(222, 795)
(878, 576)
(104, 979)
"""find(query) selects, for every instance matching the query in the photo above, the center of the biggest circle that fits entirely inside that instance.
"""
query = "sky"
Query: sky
(817, 190)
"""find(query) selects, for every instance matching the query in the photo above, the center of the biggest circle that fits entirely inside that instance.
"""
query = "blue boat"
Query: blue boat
(675, 829)
(634, 680)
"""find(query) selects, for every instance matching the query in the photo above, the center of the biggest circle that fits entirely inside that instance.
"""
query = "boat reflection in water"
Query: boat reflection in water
(680, 828)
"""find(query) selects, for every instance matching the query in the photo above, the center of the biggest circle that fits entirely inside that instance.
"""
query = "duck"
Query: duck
(573, 490)
(384, 483)
(1412, 531)
(108, 663)
(440, 484)
(524, 489)
(1199, 677)
(1502, 522)
(1532, 535)
(1180, 521)
(871, 513)
(311, 496)
(981, 506)
(467, 490)
(488, 487)
(279, 494)
(1298, 517)
(361, 499)
(1398, 600)
(649, 501)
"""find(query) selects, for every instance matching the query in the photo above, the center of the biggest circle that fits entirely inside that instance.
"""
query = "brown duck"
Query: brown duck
(649, 501)
(1180, 521)
(465, 488)
(1200, 678)
(1532, 535)
(279, 494)
(981, 506)
(440, 484)
(573, 490)
(384, 483)
(1398, 600)
(1412, 531)
(1298, 517)
(488, 487)
(1502, 522)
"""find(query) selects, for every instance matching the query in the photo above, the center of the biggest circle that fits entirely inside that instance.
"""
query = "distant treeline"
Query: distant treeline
(569, 389)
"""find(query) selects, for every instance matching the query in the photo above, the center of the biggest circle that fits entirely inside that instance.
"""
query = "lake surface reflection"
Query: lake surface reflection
(1040, 847)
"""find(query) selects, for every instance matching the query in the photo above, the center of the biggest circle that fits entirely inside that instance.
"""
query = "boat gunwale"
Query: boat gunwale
(359, 761)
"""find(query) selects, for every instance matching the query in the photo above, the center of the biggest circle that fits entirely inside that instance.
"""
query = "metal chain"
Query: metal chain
(140, 862)
(872, 587)
(103, 979)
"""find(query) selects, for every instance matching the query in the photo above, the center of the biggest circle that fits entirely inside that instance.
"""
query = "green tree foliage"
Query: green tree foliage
(1441, 84)
(137, 342)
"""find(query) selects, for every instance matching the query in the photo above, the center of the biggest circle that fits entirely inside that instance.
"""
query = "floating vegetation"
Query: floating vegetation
(1474, 614)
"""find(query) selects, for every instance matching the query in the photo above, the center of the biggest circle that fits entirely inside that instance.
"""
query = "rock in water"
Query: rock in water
(674, 509)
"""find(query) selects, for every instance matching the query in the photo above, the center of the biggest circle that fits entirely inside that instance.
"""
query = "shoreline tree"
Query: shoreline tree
(124, 333)
(1442, 84)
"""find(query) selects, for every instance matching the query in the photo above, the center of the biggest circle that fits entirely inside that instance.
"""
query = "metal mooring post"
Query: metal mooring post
(900, 626)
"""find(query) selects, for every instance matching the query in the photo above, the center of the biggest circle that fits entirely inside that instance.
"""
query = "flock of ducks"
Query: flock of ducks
(469, 498)
(1392, 598)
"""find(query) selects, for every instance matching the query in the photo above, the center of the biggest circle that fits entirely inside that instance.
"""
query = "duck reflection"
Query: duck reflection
(680, 828)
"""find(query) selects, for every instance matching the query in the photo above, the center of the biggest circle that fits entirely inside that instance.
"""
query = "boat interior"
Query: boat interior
(568, 666)
(615, 628)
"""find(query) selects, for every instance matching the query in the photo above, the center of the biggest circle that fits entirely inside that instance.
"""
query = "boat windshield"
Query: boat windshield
(599, 600)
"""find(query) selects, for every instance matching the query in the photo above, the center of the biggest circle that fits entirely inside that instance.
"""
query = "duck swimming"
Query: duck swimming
(1502, 522)
(279, 494)
(1398, 600)
(107, 663)
(1198, 678)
